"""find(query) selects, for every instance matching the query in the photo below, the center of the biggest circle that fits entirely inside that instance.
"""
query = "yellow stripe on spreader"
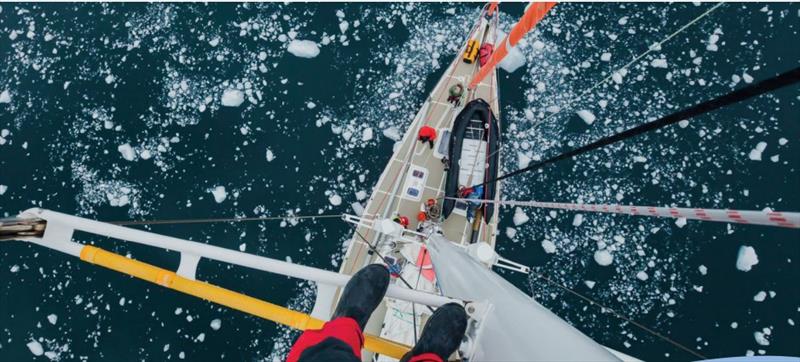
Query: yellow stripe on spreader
(228, 298)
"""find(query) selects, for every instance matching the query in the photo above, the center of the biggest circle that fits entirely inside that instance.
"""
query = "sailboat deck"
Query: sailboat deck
(414, 174)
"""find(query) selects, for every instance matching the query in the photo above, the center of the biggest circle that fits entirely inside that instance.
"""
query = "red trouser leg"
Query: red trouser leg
(342, 328)
(426, 357)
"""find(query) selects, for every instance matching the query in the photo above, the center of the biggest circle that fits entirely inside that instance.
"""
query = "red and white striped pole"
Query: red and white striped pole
(769, 218)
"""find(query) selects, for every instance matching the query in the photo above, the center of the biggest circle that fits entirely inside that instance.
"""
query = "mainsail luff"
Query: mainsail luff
(534, 13)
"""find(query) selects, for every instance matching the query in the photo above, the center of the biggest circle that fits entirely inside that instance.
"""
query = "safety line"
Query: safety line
(615, 313)
(753, 217)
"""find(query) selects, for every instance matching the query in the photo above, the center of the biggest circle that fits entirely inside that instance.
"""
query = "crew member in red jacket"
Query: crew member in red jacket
(427, 134)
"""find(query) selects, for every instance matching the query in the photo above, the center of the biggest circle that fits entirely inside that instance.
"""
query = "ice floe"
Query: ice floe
(746, 258)
(5, 97)
(603, 257)
(35, 347)
(548, 246)
(520, 217)
(303, 48)
(232, 97)
(127, 151)
(755, 154)
(219, 194)
(586, 116)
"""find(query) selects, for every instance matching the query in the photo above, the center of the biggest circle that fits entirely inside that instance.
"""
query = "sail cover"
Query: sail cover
(516, 328)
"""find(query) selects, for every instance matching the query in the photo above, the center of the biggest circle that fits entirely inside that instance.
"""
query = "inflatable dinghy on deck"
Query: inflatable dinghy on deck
(473, 155)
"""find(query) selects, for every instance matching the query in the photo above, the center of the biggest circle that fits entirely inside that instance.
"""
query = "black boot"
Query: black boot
(443, 332)
(363, 293)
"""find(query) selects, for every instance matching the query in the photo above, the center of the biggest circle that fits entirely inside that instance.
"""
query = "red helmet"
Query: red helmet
(404, 221)
(430, 202)
(422, 216)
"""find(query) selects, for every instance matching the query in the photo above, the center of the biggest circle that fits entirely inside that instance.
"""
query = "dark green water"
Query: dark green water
(85, 79)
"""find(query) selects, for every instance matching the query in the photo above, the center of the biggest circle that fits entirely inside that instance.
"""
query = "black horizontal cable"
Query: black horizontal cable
(767, 85)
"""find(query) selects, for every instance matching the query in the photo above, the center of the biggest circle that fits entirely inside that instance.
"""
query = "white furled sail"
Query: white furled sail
(516, 327)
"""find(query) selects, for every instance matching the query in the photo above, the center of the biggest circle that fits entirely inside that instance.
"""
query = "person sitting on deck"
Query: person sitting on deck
(456, 91)
(342, 338)
(427, 134)
(473, 194)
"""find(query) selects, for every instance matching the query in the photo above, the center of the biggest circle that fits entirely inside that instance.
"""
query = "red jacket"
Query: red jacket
(428, 132)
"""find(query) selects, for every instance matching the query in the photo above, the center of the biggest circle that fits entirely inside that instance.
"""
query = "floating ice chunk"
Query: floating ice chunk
(52, 318)
(232, 97)
(603, 257)
(761, 338)
(782, 141)
(760, 296)
(366, 134)
(734, 325)
(605, 57)
(513, 61)
(5, 97)
(548, 246)
(755, 154)
(642, 275)
(523, 160)
(658, 63)
(145, 154)
(358, 209)
(361, 195)
(311, 105)
(127, 151)
(617, 77)
(747, 78)
(35, 347)
(219, 194)
(303, 48)
(746, 258)
(392, 133)
(589, 283)
(343, 26)
(270, 155)
(577, 220)
(586, 116)
(680, 222)
(3, 189)
(335, 200)
(214, 42)
(640, 159)
(538, 45)
(110, 79)
(775, 158)
(242, 247)
(703, 269)
(511, 232)
(683, 123)
(520, 217)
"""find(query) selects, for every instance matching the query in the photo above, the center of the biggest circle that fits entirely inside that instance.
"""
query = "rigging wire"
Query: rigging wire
(781, 80)
(221, 220)
(617, 314)
(649, 50)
